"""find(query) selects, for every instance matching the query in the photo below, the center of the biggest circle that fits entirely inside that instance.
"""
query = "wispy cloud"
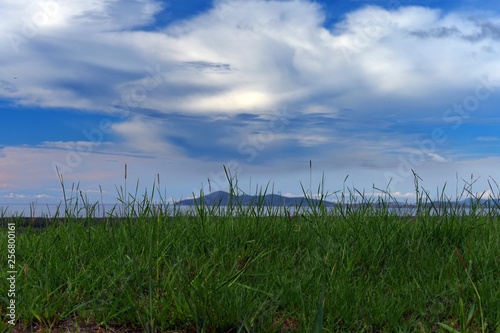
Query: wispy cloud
(488, 138)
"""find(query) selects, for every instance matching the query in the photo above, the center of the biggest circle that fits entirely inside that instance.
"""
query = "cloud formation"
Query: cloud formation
(244, 56)
(254, 81)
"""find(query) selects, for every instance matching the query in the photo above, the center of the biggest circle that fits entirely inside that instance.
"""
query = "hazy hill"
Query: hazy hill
(222, 198)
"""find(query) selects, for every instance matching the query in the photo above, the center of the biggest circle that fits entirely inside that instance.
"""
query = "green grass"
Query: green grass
(158, 269)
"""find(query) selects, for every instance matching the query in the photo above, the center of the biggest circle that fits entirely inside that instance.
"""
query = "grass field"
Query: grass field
(259, 269)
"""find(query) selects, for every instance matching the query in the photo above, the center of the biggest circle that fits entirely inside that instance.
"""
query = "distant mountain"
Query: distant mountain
(482, 202)
(223, 199)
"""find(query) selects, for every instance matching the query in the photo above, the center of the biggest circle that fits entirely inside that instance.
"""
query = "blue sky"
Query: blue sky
(365, 89)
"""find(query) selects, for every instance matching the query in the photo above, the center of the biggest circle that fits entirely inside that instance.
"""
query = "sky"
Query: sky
(287, 94)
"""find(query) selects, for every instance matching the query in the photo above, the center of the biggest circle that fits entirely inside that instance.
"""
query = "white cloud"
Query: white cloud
(82, 146)
(487, 138)
(246, 56)
(437, 158)
(145, 136)
(70, 59)
(312, 140)
(15, 196)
